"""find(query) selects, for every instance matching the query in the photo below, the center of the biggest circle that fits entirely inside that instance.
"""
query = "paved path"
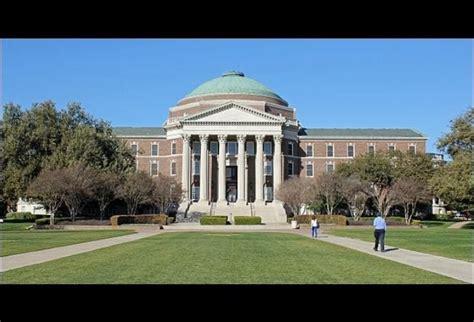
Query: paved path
(26, 259)
(459, 224)
(453, 268)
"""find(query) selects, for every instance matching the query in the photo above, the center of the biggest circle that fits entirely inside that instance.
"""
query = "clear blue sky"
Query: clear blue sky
(420, 84)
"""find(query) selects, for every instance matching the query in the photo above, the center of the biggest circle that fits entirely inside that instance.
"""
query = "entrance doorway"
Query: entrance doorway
(231, 183)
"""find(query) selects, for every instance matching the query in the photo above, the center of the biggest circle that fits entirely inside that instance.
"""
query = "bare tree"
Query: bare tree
(136, 189)
(355, 193)
(104, 190)
(78, 185)
(166, 192)
(48, 188)
(408, 192)
(327, 188)
(295, 193)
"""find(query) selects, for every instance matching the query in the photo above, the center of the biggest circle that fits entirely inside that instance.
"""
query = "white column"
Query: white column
(185, 168)
(259, 168)
(241, 168)
(277, 164)
(221, 169)
(203, 173)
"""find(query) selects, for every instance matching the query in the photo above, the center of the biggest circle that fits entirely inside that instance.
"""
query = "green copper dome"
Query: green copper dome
(233, 82)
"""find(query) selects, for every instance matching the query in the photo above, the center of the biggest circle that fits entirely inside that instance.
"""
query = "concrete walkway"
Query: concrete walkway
(459, 224)
(26, 259)
(453, 268)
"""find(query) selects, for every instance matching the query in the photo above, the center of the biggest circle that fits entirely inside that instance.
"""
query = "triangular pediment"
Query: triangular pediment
(235, 113)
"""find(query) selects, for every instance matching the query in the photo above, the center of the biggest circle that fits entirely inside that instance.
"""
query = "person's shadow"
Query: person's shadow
(390, 249)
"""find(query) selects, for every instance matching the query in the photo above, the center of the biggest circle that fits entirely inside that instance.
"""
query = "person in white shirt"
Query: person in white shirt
(314, 228)
(379, 232)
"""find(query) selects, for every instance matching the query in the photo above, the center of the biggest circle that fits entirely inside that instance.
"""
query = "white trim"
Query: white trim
(372, 138)
(312, 169)
(175, 168)
(328, 144)
(138, 147)
(328, 163)
(353, 149)
(157, 157)
(171, 147)
(157, 167)
(292, 168)
(371, 144)
(157, 149)
(390, 145)
(292, 148)
(312, 150)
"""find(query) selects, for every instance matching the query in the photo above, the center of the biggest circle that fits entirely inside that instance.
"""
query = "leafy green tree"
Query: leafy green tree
(461, 137)
(46, 137)
(378, 170)
(454, 182)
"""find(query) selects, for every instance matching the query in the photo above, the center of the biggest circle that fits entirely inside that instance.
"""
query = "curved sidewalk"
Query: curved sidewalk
(453, 268)
(40, 256)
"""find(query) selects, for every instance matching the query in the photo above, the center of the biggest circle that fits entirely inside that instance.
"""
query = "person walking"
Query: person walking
(314, 228)
(379, 232)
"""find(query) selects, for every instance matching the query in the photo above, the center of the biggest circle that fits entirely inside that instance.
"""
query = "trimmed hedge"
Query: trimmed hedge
(139, 219)
(391, 221)
(213, 220)
(42, 221)
(322, 219)
(246, 220)
(26, 216)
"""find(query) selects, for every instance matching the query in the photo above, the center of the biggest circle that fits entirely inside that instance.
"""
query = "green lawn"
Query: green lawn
(15, 239)
(224, 258)
(436, 239)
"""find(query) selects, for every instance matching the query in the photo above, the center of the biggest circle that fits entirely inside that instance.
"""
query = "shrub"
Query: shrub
(213, 220)
(391, 221)
(322, 219)
(138, 219)
(42, 221)
(246, 220)
(170, 220)
(26, 216)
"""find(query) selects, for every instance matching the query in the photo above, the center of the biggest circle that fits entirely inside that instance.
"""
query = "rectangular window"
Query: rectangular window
(250, 148)
(196, 166)
(268, 168)
(214, 147)
(135, 149)
(330, 150)
(350, 150)
(290, 148)
(195, 193)
(309, 170)
(154, 149)
(330, 167)
(412, 148)
(268, 194)
(371, 149)
(290, 168)
(173, 147)
(232, 148)
(173, 168)
(197, 147)
(154, 169)
(309, 150)
(391, 148)
(267, 148)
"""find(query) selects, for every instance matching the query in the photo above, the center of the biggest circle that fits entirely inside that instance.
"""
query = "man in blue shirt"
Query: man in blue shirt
(379, 233)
